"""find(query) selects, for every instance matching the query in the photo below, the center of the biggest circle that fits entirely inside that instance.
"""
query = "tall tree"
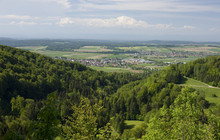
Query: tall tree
(185, 119)
(82, 123)
(47, 126)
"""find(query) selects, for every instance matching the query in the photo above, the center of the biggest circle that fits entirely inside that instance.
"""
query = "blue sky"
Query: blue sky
(192, 20)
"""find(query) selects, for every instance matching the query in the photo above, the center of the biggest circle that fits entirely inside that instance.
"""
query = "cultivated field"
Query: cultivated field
(144, 48)
(33, 48)
(93, 49)
(68, 54)
(160, 55)
(198, 49)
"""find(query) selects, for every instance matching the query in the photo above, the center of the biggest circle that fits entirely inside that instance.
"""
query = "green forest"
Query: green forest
(46, 99)
(204, 69)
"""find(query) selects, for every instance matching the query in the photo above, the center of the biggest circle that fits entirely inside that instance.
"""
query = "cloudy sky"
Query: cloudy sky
(192, 20)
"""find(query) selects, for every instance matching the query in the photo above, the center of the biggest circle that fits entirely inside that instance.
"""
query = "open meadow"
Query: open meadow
(115, 69)
(130, 124)
(93, 49)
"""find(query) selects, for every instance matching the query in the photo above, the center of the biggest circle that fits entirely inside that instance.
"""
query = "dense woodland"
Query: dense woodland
(44, 99)
(204, 69)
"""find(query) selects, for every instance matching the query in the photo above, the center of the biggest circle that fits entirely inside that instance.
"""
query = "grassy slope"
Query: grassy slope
(204, 89)
(130, 124)
(114, 69)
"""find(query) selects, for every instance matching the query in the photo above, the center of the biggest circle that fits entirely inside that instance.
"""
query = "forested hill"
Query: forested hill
(34, 76)
(45, 99)
(205, 69)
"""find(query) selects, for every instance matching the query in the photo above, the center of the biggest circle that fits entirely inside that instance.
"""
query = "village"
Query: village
(136, 58)
(112, 62)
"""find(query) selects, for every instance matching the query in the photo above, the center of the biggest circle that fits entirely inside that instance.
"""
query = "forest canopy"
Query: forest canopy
(43, 98)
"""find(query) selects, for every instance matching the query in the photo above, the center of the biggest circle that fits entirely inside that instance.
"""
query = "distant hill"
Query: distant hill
(70, 44)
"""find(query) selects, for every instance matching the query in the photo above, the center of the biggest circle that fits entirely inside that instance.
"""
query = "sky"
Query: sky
(184, 20)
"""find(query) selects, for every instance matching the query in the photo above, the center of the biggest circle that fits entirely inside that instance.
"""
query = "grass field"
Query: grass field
(149, 66)
(130, 124)
(70, 54)
(33, 48)
(197, 49)
(121, 56)
(145, 48)
(54, 53)
(95, 52)
(164, 59)
(215, 50)
(205, 89)
(93, 49)
(114, 69)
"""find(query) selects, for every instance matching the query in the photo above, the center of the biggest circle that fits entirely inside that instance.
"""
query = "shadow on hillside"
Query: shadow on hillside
(183, 80)
(129, 126)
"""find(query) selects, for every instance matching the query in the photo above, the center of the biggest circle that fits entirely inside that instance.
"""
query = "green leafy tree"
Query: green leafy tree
(105, 133)
(17, 124)
(118, 123)
(185, 119)
(47, 126)
(82, 123)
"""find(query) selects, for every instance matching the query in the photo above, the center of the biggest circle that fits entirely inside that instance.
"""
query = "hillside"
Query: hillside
(43, 98)
(205, 69)
(34, 76)
(212, 94)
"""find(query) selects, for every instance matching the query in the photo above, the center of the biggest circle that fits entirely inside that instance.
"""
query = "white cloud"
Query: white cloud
(27, 20)
(65, 20)
(15, 17)
(146, 5)
(215, 30)
(64, 3)
(122, 21)
(188, 27)
(22, 23)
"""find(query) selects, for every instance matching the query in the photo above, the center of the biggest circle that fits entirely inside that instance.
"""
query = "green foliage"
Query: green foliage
(34, 76)
(25, 76)
(17, 124)
(206, 90)
(185, 119)
(118, 123)
(86, 99)
(135, 132)
(12, 135)
(107, 133)
(82, 123)
(136, 99)
(47, 125)
(204, 69)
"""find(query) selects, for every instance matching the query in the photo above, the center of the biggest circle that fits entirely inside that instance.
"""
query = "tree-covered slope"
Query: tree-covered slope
(34, 76)
(42, 98)
(205, 69)
(136, 99)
